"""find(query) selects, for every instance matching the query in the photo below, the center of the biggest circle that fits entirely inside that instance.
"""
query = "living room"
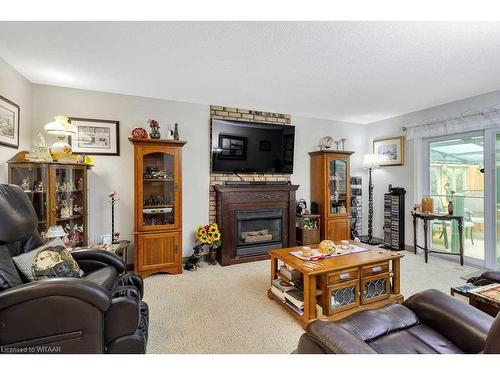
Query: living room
(262, 187)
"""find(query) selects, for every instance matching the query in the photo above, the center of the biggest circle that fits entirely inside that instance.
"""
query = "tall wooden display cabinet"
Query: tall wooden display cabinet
(330, 191)
(157, 206)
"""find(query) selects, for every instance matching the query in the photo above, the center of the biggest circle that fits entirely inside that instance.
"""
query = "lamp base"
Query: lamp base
(60, 149)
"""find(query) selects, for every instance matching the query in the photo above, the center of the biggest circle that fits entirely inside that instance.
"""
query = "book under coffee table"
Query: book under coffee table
(341, 285)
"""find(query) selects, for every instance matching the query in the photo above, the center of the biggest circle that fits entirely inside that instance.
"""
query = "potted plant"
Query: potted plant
(210, 236)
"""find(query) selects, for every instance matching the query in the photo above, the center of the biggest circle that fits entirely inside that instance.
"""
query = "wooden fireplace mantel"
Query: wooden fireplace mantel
(231, 198)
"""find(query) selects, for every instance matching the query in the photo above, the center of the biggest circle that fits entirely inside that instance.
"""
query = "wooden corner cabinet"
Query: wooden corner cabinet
(58, 192)
(157, 205)
(330, 190)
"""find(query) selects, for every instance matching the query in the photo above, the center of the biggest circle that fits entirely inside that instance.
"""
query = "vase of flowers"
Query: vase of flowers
(155, 133)
(209, 235)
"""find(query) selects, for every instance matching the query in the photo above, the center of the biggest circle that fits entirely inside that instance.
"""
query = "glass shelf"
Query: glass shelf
(338, 186)
(158, 191)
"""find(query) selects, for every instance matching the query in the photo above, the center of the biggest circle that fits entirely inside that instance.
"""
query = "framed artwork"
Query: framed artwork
(95, 137)
(9, 123)
(232, 147)
(390, 151)
(265, 146)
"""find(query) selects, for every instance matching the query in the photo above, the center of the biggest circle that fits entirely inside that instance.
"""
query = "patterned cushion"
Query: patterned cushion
(50, 260)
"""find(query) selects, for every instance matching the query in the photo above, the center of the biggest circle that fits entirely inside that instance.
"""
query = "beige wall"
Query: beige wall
(17, 89)
(116, 173)
(410, 176)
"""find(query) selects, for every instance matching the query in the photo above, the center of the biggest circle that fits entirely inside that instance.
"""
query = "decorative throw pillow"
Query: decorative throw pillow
(50, 260)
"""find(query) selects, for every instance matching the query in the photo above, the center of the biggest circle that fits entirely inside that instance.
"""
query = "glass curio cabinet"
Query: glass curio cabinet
(58, 192)
(332, 168)
(158, 206)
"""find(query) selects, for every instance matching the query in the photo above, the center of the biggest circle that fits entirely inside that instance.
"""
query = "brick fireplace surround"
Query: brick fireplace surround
(240, 114)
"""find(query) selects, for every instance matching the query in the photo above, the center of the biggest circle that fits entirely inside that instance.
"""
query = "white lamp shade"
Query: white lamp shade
(56, 231)
(60, 127)
(370, 161)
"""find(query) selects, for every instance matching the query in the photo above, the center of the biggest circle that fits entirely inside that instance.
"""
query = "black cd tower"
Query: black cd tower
(394, 218)
(356, 207)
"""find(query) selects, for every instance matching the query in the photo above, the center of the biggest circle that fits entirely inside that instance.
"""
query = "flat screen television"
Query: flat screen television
(249, 147)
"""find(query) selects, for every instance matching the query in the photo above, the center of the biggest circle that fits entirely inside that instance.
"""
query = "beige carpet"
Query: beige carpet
(226, 309)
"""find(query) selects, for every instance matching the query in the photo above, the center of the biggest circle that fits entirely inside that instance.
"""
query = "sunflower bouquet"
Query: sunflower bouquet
(208, 235)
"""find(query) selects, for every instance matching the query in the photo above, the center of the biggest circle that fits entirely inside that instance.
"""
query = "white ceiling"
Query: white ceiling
(350, 71)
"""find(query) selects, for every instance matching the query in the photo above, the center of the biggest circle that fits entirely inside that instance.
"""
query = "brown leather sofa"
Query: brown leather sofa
(427, 322)
(102, 312)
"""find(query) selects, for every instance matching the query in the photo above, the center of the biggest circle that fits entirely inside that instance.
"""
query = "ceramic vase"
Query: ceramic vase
(212, 255)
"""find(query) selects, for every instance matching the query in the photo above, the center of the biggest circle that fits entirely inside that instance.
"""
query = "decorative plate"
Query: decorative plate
(140, 133)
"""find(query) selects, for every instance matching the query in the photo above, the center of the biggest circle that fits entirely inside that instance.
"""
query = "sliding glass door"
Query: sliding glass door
(492, 182)
(456, 166)
(465, 169)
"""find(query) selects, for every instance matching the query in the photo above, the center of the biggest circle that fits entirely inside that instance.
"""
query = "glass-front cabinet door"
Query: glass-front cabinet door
(159, 189)
(68, 201)
(33, 179)
(337, 186)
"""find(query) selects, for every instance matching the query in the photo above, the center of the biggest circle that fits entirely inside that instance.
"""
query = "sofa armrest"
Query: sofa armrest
(493, 276)
(331, 338)
(464, 325)
(91, 260)
(67, 287)
(122, 318)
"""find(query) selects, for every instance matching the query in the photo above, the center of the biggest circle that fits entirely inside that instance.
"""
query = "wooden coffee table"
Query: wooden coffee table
(343, 284)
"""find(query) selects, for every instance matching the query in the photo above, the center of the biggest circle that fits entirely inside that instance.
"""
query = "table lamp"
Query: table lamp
(370, 162)
(61, 128)
(57, 231)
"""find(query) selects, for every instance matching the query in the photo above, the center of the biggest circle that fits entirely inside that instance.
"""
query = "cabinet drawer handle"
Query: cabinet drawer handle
(376, 269)
(175, 249)
(344, 276)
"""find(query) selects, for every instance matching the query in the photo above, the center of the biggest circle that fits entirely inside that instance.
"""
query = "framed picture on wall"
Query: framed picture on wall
(390, 151)
(95, 137)
(232, 147)
(9, 123)
(265, 146)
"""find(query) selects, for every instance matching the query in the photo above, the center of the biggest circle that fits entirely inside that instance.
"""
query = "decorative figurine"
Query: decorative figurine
(155, 133)
(25, 184)
(194, 261)
(77, 235)
(170, 134)
(80, 184)
(38, 186)
(39, 151)
(65, 212)
(77, 209)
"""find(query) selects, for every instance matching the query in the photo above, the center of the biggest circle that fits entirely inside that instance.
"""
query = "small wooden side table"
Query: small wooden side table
(121, 249)
(308, 236)
(428, 217)
(487, 305)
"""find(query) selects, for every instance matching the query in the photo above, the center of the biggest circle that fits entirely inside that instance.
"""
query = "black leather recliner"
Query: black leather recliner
(102, 312)
(428, 322)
